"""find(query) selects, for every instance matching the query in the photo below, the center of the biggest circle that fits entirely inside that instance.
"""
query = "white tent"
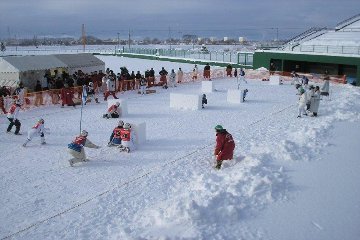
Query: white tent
(27, 69)
(86, 62)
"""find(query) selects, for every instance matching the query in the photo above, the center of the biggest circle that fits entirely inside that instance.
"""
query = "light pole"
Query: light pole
(118, 41)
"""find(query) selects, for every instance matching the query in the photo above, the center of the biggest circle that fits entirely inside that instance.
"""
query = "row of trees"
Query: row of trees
(91, 40)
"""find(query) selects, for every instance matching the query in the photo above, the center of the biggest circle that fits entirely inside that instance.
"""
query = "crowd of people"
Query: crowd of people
(309, 95)
(109, 83)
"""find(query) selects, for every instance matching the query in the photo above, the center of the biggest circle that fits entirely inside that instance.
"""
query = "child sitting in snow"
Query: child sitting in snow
(113, 112)
(115, 138)
(203, 101)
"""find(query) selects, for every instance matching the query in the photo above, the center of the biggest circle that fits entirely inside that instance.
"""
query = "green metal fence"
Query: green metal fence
(241, 58)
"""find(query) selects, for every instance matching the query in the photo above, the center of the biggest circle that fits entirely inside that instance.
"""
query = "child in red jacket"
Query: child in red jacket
(225, 145)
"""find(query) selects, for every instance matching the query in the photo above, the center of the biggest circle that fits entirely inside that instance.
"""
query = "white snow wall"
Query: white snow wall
(185, 101)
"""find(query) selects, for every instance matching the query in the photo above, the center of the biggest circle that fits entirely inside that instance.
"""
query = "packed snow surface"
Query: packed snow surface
(291, 178)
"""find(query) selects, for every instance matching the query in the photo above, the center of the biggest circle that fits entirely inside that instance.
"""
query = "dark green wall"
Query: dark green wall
(263, 58)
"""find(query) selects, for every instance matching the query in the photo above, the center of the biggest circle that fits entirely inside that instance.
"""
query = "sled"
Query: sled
(148, 91)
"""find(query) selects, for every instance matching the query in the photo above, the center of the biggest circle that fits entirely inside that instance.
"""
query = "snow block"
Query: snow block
(274, 80)
(235, 95)
(123, 105)
(140, 132)
(207, 86)
(185, 101)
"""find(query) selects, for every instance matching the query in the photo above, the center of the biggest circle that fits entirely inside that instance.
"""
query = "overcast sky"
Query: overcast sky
(253, 19)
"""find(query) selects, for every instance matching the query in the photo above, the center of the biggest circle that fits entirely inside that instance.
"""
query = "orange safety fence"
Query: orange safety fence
(53, 96)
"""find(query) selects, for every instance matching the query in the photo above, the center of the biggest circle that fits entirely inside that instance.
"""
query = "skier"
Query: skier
(172, 78)
(113, 112)
(302, 103)
(37, 129)
(115, 138)
(225, 145)
(12, 116)
(203, 100)
(127, 138)
(76, 148)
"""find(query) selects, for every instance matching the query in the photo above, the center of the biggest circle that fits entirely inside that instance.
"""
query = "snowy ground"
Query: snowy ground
(292, 178)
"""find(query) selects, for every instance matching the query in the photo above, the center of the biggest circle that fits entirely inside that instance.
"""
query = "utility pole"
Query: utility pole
(83, 36)
(118, 41)
(170, 37)
(129, 38)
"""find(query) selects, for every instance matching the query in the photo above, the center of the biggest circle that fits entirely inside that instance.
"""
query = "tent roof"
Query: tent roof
(79, 60)
(38, 62)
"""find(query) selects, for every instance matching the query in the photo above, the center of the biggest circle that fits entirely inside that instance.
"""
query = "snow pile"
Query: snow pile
(167, 188)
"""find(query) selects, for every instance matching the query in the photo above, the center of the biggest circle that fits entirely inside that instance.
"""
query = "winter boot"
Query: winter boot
(96, 100)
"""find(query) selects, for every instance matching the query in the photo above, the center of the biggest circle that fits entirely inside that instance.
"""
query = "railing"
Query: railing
(355, 50)
(218, 56)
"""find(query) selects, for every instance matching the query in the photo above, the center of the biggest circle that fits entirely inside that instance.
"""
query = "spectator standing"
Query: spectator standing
(38, 94)
(163, 80)
(180, 75)
(206, 73)
(172, 78)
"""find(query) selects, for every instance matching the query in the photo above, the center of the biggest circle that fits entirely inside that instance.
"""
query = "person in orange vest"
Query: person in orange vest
(37, 129)
(12, 116)
(225, 145)
(127, 138)
(115, 138)
(76, 148)
(67, 96)
(114, 111)
(206, 73)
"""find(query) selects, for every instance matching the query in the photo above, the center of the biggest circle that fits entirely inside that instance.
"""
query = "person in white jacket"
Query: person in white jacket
(76, 148)
(180, 75)
(172, 78)
(39, 130)
(12, 116)
(302, 103)
(315, 102)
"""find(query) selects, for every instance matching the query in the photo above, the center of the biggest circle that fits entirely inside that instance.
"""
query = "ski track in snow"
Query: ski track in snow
(175, 199)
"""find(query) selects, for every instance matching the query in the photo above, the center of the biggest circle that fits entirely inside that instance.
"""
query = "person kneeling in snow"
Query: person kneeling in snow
(113, 112)
(127, 138)
(37, 129)
(225, 145)
(115, 138)
(244, 94)
(76, 148)
(203, 101)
